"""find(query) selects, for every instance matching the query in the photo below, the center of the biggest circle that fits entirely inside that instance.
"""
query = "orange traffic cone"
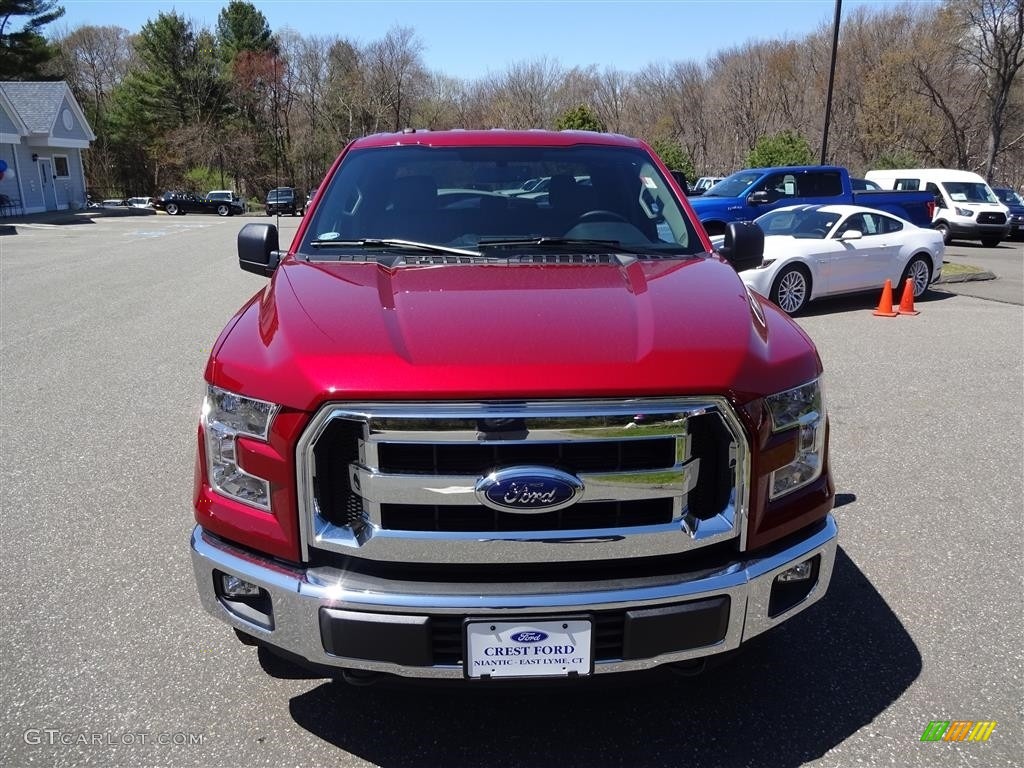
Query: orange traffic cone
(907, 300)
(885, 305)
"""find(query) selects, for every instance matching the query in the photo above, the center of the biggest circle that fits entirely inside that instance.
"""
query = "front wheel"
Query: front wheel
(991, 242)
(223, 210)
(791, 290)
(918, 271)
(173, 209)
(943, 229)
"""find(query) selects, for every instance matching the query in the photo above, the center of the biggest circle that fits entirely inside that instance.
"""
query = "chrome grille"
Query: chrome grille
(398, 481)
(595, 514)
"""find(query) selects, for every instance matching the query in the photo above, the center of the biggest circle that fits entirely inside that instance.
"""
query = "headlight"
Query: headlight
(801, 408)
(964, 212)
(225, 417)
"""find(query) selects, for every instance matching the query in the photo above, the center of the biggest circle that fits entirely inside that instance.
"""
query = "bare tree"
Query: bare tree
(994, 43)
(94, 61)
(523, 96)
(395, 75)
(611, 94)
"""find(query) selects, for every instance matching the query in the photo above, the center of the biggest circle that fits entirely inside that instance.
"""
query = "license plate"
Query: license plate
(529, 648)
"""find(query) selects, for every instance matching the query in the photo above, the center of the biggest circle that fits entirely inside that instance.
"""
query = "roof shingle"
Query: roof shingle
(37, 103)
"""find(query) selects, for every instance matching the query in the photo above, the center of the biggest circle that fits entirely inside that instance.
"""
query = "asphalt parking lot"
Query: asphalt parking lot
(107, 659)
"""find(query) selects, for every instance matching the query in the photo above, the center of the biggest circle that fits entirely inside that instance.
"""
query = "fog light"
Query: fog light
(793, 585)
(800, 572)
(236, 587)
(244, 599)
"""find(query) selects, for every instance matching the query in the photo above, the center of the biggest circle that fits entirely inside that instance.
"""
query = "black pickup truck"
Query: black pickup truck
(178, 203)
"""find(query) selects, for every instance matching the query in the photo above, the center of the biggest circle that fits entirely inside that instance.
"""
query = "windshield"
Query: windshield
(1009, 197)
(803, 223)
(733, 186)
(969, 192)
(469, 197)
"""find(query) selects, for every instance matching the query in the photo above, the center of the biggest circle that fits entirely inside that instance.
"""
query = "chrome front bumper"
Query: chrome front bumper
(298, 595)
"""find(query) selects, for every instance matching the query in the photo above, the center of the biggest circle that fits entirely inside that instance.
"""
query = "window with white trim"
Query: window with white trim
(60, 166)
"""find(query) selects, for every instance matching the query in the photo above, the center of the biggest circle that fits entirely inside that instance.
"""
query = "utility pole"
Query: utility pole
(831, 79)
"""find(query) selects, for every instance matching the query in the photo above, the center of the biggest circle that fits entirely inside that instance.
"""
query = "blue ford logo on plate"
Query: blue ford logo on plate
(533, 636)
(526, 490)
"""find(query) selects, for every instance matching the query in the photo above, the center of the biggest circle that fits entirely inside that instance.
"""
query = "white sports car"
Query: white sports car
(812, 251)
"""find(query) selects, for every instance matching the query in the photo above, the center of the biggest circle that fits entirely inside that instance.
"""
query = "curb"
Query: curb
(966, 277)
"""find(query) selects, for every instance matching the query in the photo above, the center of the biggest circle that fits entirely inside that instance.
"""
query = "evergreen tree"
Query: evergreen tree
(582, 118)
(674, 157)
(242, 27)
(785, 148)
(24, 52)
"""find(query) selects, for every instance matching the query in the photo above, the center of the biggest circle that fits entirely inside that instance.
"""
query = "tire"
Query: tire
(920, 272)
(791, 290)
(991, 242)
(223, 210)
(943, 229)
(173, 209)
(294, 212)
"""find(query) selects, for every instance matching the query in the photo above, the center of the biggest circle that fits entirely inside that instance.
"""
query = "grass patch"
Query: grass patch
(952, 268)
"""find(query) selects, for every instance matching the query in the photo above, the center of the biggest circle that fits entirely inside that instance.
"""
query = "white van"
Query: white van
(966, 208)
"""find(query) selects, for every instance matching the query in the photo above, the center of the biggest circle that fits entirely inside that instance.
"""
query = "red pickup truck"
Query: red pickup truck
(477, 434)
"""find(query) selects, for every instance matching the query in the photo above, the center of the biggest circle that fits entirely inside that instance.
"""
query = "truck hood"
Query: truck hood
(982, 207)
(330, 331)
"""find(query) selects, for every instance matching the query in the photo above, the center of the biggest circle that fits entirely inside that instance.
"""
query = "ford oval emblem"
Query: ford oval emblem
(533, 636)
(526, 490)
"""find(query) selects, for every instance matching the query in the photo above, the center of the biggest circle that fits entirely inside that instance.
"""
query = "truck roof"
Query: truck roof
(495, 137)
(795, 169)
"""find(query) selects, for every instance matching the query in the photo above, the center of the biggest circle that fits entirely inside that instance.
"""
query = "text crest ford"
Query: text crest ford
(526, 490)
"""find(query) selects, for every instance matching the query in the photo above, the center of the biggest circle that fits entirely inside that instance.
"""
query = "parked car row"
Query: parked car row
(223, 202)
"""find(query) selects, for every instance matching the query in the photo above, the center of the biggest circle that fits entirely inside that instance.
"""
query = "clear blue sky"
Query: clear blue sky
(468, 39)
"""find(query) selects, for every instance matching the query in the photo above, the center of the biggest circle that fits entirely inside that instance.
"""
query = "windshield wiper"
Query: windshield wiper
(553, 241)
(607, 246)
(373, 242)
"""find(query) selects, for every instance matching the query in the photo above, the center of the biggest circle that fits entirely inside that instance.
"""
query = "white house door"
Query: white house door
(46, 179)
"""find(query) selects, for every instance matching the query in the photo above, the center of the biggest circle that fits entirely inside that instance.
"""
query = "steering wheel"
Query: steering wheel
(819, 232)
(602, 215)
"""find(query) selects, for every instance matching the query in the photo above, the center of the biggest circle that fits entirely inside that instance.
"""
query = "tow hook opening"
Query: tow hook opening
(793, 585)
(360, 677)
(688, 668)
(241, 598)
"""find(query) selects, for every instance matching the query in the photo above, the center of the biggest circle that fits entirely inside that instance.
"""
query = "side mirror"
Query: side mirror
(743, 246)
(258, 249)
(851, 234)
(758, 198)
